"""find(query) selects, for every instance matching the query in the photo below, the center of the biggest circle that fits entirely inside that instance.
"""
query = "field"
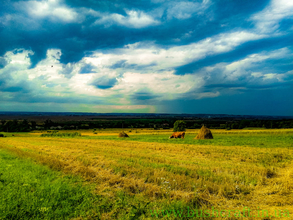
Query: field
(148, 176)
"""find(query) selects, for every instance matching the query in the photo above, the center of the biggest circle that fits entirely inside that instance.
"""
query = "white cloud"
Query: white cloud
(148, 54)
(52, 9)
(238, 75)
(64, 14)
(184, 10)
(207, 95)
(159, 79)
(238, 68)
(49, 66)
(134, 19)
(18, 57)
(129, 108)
(166, 85)
(50, 77)
(14, 75)
(279, 77)
(267, 21)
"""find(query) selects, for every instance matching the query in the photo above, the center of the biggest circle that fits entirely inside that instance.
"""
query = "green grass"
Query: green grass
(260, 140)
(16, 134)
(28, 192)
(32, 191)
(252, 128)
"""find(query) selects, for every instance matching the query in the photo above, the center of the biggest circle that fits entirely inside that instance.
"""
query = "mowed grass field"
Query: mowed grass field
(147, 172)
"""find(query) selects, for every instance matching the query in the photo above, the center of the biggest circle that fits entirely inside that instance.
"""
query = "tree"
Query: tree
(243, 124)
(11, 126)
(34, 124)
(24, 126)
(48, 123)
(196, 125)
(179, 125)
(234, 126)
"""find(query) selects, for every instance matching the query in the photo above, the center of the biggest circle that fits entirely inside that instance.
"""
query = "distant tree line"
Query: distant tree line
(16, 126)
(25, 125)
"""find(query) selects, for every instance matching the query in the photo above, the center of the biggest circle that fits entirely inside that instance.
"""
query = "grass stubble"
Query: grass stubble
(139, 175)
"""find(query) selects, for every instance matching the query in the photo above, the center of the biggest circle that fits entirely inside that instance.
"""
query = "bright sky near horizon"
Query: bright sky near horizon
(152, 56)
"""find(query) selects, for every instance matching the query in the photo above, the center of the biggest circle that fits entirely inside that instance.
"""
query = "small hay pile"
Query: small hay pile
(122, 134)
(204, 133)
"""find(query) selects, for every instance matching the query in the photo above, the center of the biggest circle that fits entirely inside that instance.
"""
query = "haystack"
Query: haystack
(122, 134)
(204, 133)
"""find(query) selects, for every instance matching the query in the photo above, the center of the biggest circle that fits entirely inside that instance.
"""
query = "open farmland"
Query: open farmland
(236, 169)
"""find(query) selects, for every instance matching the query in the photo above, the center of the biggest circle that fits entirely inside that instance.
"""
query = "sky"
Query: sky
(147, 56)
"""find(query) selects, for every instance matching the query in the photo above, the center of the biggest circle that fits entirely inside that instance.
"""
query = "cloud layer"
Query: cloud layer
(155, 56)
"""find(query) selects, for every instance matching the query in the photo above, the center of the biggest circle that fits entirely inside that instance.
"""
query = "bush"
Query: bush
(1, 135)
(179, 125)
(61, 134)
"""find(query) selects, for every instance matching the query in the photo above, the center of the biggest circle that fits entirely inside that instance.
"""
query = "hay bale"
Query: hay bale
(1, 135)
(122, 134)
(204, 133)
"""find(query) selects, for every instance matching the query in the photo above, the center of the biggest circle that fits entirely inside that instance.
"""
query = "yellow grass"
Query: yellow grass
(147, 131)
(221, 176)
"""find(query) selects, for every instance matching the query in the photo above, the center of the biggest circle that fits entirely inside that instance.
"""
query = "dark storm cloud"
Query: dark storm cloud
(126, 66)
(239, 53)
(143, 96)
(232, 12)
(75, 39)
(13, 89)
(244, 85)
(44, 98)
(83, 28)
(221, 16)
(67, 71)
(2, 81)
(104, 82)
(87, 68)
(113, 6)
(119, 64)
(7, 86)
(253, 102)
(70, 38)
(275, 65)
(2, 62)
